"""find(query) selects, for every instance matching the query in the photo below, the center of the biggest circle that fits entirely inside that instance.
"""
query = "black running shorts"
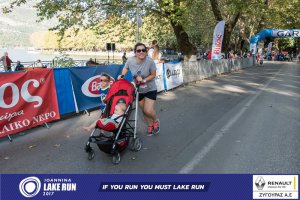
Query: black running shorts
(150, 95)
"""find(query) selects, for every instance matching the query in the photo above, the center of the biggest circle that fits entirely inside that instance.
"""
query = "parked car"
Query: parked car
(285, 56)
(169, 55)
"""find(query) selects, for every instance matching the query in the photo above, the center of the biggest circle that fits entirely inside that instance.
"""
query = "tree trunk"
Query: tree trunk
(226, 38)
(243, 38)
(182, 38)
(229, 26)
(168, 10)
(261, 23)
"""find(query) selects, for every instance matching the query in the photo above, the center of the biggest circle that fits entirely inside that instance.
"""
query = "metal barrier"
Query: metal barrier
(55, 64)
(199, 70)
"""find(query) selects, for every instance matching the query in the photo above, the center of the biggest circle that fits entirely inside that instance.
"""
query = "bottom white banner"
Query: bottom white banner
(275, 187)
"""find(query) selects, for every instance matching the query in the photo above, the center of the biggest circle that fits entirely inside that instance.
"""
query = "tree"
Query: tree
(91, 13)
(230, 14)
(188, 23)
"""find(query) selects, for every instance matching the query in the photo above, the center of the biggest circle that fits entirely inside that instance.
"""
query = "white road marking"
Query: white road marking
(190, 166)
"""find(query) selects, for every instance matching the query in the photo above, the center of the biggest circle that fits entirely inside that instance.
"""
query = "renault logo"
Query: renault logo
(260, 183)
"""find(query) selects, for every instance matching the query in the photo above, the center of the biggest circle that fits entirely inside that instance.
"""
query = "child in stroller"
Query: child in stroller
(119, 101)
(115, 119)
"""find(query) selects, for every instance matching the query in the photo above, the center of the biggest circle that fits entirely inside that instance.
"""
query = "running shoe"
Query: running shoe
(150, 131)
(156, 127)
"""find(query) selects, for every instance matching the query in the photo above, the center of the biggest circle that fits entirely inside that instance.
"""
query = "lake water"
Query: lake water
(25, 55)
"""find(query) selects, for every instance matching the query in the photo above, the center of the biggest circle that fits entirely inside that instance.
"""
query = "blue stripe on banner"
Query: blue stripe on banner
(164, 76)
(128, 186)
(64, 90)
(174, 62)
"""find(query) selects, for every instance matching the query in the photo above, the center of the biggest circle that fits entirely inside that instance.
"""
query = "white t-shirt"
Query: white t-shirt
(150, 52)
(114, 116)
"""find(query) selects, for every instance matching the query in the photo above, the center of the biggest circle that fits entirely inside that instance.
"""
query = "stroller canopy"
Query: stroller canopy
(121, 90)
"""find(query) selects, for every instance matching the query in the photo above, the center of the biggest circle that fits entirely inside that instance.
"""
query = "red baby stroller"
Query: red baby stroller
(120, 91)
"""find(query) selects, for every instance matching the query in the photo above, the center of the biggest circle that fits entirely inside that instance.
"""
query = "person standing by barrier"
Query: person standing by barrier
(258, 58)
(151, 48)
(19, 66)
(143, 69)
(209, 55)
(124, 58)
(6, 62)
(38, 63)
(154, 52)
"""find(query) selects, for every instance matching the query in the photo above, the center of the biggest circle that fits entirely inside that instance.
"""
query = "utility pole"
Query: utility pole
(138, 21)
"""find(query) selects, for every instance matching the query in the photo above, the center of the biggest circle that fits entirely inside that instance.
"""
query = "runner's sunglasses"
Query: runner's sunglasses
(141, 50)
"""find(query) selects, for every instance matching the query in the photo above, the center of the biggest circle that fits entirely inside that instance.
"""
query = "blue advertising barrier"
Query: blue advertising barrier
(77, 87)
(128, 76)
(116, 187)
(64, 91)
(64, 85)
(86, 84)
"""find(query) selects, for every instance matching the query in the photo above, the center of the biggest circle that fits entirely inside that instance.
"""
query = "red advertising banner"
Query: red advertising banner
(27, 99)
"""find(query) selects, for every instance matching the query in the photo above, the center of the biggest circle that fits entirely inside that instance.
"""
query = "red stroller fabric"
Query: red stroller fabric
(120, 91)
(107, 127)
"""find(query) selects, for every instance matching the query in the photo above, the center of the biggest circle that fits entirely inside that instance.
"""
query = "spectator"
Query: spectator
(19, 66)
(39, 63)
(231, 55)
(291, 57)
(249, 54)
(209, 55)
(91, 63)
(154, 52)
(151, 49)
(258, 57)
(124, 58)
(6, 62)
(199, 55)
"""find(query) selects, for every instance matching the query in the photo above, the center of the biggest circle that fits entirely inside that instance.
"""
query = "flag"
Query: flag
(217, 40)
(270, 47)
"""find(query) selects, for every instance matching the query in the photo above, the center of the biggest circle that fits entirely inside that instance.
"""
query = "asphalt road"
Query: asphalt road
(243, 122)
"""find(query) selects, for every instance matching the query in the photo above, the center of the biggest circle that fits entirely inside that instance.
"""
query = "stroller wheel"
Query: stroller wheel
(88, 148)
(116, 158)
(131, 143)
(137, 144)
(91, 155)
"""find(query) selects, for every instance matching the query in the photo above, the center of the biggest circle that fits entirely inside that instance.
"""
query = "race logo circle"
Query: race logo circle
(29, 187)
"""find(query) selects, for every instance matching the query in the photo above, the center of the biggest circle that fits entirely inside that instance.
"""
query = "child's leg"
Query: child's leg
(90, 127)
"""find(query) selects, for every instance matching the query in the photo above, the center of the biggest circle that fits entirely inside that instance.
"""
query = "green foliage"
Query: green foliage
(63, 61)
(90, 24)
(287, 44)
